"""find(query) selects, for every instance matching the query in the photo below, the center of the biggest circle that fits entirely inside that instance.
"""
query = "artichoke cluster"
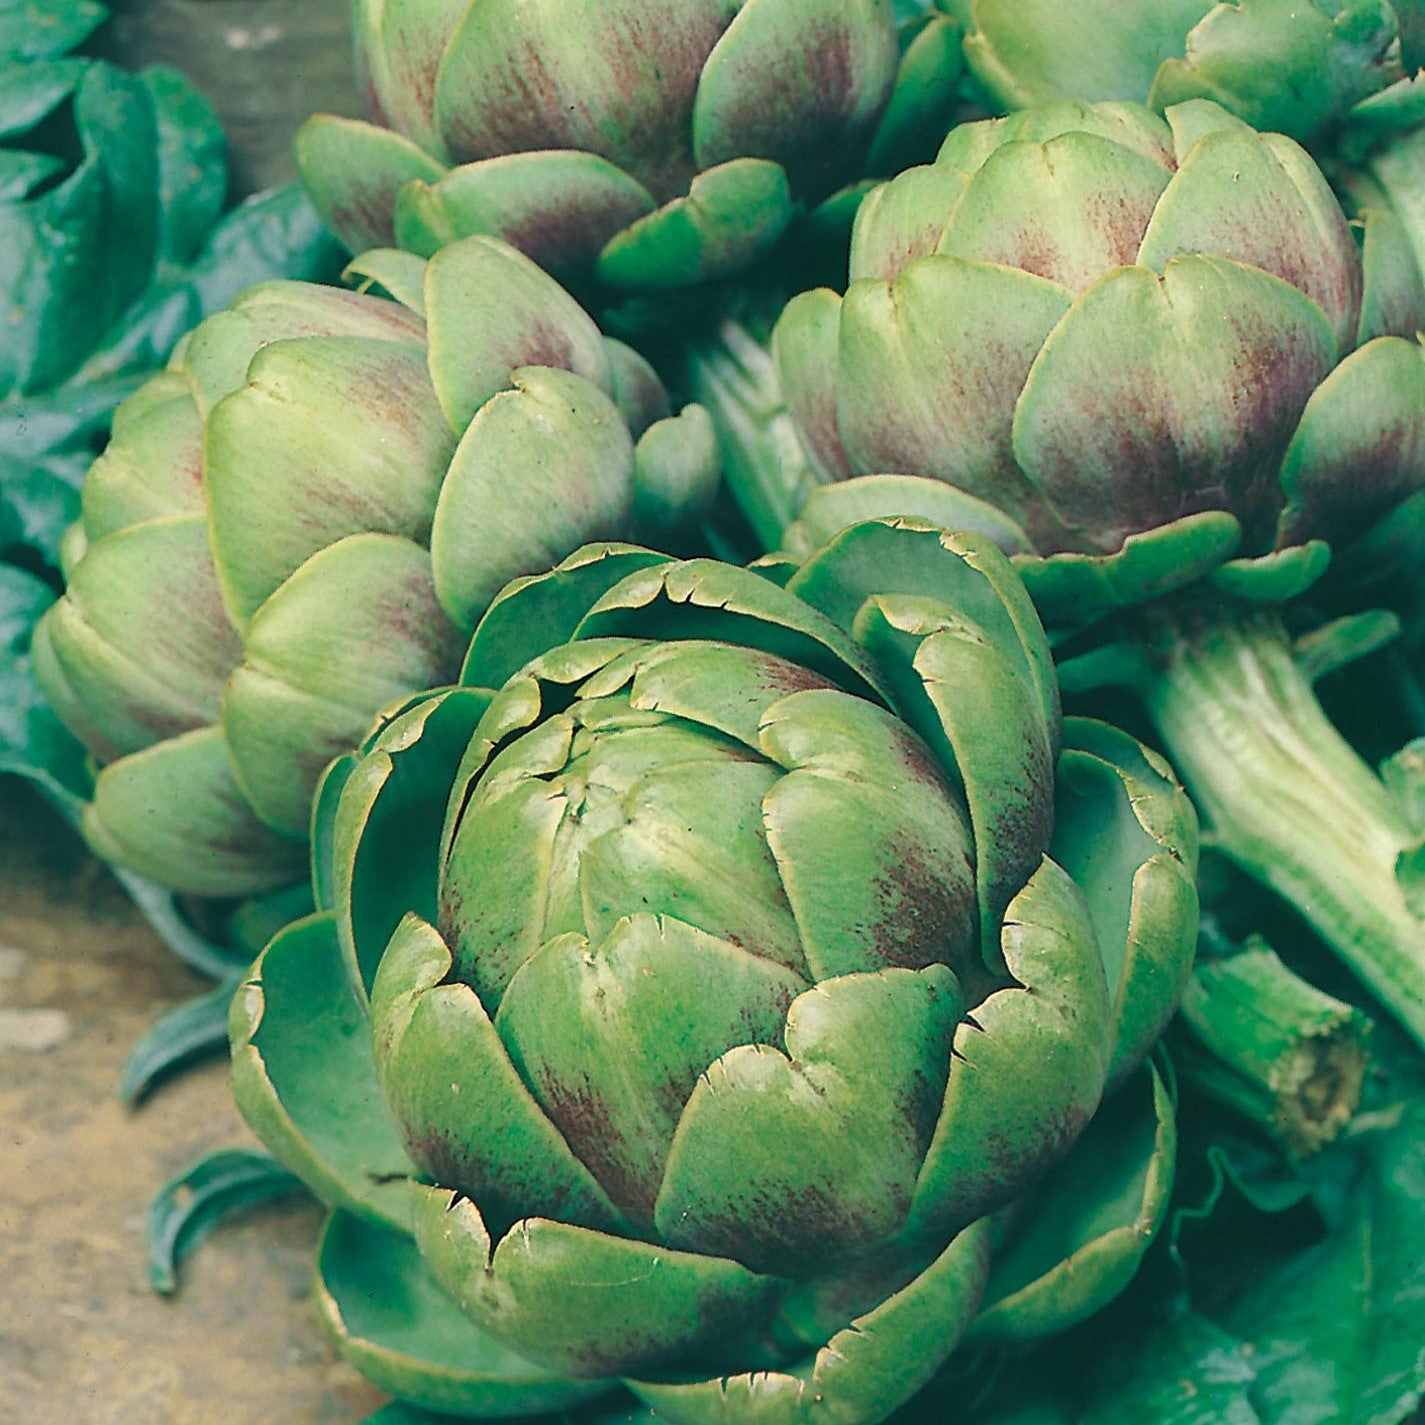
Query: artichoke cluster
(733, 980)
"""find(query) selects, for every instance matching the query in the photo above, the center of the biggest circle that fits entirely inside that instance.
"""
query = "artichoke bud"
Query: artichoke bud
(303, 518)
(654, 146)
(735, 866)
(1109, 324)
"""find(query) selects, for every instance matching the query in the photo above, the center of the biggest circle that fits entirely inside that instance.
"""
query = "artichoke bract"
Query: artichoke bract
(649, 143)
(304, 517)
(716, 977)
(1129, 348)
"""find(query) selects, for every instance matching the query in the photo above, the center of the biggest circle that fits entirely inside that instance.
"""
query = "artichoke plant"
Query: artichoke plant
(304, 517)
(683, 1012)
(650, 144)
(1129, 348)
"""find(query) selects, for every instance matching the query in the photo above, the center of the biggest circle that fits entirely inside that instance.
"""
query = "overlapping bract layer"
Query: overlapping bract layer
(720, 979)
(304, 517)
(655, 142)
(1100, 322)
(1282, 65)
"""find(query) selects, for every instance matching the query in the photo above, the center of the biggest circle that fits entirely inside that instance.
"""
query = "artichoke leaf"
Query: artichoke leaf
(963, 570)
(863, 1371)
(1283, 66)
(374, 461)
(1090, 1220)
(1359, 450)
(921, 108)
(354, 172)
(1393, 286)
(401, 276)
(732, 215)
(391, 1320)
(917, 347)
(903, 219)
(874, 851)
(541, 611)
(1127, 833)
(216, 356)
(522, 316)
(355, 627)
(1135, 412)
(1025, 209)
(173, 813)
(721, 686)
(851, 1103)
(1028, 52)
(1049, 1037)
(303, 1076)
(718, 876)
(399, 46)
(1274, 578)
(1075, 589)
(700, 598)
(543, 467)
(467, 1119)
(788, 75)
(616, 1033)
(829, 509)
(1261, 201)
(804, 346)
(677, 465)
(385, 836)
(578, 1300)
(618, 82)
(558, 206)
(141, 648)
(153, 466)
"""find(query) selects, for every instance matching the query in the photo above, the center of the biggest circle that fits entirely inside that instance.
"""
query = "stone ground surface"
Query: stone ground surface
(82, 1337)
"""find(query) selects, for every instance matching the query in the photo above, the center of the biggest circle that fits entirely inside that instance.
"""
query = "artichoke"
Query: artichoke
(683, 1008)
(1128, 347)
(1101, 323)
(304, 517)
(648, 143)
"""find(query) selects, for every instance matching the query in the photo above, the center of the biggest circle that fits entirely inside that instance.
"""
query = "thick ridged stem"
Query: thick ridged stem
(1283, 795)
(1255, 1037)
(766, 469)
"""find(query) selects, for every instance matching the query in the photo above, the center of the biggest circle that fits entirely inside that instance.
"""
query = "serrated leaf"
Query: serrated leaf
(31, 29)
(1339, 1329)
(161, 909)
(193, 1030)
(188, 1207)
(33, 743)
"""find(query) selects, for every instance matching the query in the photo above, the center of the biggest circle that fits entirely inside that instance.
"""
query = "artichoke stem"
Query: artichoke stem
(765, 467)
(1284, 796)
(1261, 1041)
